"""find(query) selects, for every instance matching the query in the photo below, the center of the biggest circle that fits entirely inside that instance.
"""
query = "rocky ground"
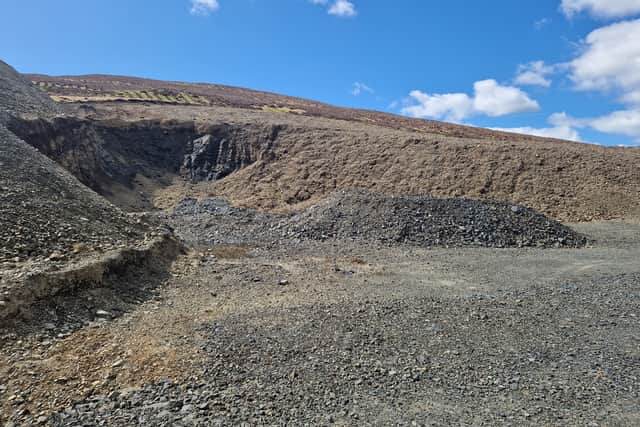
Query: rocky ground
(340, 333)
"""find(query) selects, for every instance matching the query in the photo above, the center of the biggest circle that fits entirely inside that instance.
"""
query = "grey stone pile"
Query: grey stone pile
(364, 216)
(428, 221)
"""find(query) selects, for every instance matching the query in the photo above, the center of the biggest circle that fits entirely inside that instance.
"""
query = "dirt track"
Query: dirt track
(506, 336)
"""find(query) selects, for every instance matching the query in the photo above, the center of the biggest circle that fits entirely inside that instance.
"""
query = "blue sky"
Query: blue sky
(566, 68)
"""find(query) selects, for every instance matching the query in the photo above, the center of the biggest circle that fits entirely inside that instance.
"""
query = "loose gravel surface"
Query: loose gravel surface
(530, 357)
(46, 213)
(340, 333)
(19, 97)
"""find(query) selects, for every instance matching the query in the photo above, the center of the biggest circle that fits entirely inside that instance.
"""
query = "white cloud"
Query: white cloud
(343, 8)
(609, 62)
(534, 74)
(490, 99)
(601, 8)
(358, 88)
(541, 23)
(559, 132)
(563, 119)
(625, 122)
(495, 100)
(203, 7)
(610, 59)
(562, 127)
(450, 106)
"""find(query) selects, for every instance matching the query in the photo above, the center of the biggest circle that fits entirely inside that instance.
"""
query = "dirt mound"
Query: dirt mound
(19, 97)
(45, 213)
(427, 221)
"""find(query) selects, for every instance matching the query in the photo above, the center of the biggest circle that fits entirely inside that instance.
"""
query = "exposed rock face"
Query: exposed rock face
(226, 149)
(113, 157)
(100, 154)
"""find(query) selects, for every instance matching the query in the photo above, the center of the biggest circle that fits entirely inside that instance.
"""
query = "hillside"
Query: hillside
(138, 154)
(104, 88)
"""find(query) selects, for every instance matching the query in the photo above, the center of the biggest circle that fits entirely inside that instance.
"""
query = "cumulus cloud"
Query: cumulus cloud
(203, 7)
(610, 60)
(562, 127)
(493, 99)
(534, 74)
(343, 8)
(624, 122)
(489, 99)
(559, 132)
(601, 8)
(449, 106)
(358, 88)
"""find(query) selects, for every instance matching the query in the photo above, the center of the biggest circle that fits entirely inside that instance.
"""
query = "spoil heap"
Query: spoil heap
(427, 221)
(46, 213)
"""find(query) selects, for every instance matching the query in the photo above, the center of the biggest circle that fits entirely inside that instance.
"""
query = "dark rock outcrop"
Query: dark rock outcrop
(107, 155)
(45, 211)
(226, 149)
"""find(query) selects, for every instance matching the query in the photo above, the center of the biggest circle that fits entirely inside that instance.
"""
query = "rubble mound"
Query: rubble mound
(19, 97)
(47, 213)
(428, 221)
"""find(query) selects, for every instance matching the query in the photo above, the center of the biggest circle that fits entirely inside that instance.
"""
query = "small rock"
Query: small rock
(283, 282)
(103, 314)
(56, 256)
(117, 363)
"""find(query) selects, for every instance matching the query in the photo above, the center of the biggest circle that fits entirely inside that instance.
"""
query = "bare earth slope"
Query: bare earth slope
(55, 233)
(319, 149)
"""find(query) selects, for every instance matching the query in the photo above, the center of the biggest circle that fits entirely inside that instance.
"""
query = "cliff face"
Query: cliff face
(226, 149)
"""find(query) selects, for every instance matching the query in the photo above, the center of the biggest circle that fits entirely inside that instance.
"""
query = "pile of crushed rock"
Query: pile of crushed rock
(428, 221)
(365, 216)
